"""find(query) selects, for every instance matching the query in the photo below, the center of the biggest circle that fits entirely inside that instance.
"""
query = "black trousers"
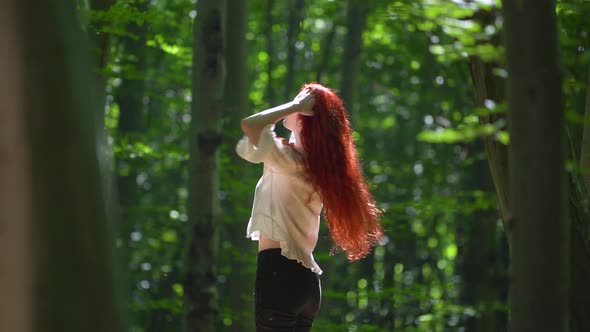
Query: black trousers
(287, 295)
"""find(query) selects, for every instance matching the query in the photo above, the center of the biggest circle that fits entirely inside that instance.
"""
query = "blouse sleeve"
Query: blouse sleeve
(270, 150)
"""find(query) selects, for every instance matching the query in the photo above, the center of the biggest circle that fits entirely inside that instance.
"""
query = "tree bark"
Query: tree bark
(490, 86)
(295, 18)
(16, 274)
(580, 233)
(72, 253)
(270, 96)
(236, 102)
(103, 41)
(326, 52)
(129, 97)
(540, 244)
(585, 149)
(205, 138)
(481, 267)
(351, 63)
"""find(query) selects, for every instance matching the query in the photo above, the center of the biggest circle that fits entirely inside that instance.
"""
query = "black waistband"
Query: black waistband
(269, 251)
(272, 259)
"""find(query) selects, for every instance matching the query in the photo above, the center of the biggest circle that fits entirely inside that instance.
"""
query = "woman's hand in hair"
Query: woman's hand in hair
(305, 101)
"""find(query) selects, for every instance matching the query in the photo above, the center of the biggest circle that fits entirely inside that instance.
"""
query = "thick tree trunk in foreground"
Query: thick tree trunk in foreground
(61, 203)
(205, 139)
(579, 259)
(16, 275)
(488, 86)
(540, 244)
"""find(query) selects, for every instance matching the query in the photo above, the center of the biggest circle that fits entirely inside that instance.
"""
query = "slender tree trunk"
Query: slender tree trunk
(480, 267)
(240, 282)
(205, 139)
(295, 18)
(16, 274)
(130, 93)
(326, 52)
(73, 283)
(131, 123)
(351, 62)
(103, 41)
(580, 233)
(270, 96)
(491, 87)
(483, 268)
(540, 248)
(129, 97)
(585, 150)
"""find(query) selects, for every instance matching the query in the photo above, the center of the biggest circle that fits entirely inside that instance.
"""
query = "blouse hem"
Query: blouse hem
(284, 250)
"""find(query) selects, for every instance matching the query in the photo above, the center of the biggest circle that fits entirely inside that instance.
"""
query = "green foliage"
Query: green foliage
(414, 90)
(467, 131)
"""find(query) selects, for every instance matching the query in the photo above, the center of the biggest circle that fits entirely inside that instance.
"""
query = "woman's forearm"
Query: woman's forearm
(253, 125)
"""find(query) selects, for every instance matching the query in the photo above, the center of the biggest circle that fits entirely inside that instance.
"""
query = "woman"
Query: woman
(318, 167)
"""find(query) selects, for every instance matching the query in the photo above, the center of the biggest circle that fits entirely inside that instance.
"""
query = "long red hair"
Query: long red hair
(332, 167)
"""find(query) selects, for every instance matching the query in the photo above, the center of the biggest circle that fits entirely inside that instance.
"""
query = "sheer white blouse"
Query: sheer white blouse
(286, 208)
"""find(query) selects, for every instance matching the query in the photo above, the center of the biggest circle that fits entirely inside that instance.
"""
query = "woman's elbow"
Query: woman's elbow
(250, 131)
(245, 124)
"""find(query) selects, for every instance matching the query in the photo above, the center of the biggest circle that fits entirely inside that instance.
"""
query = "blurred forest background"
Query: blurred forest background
(424, 81)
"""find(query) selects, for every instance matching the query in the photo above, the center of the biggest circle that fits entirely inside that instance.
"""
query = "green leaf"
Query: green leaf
(451, 251)
(169, 236)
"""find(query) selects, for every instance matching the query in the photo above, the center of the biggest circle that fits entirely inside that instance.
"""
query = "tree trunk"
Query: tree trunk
(103, 41)
(295, 18)
(351, 63)
(326, 52)
(489, 86)
(270, 96)
(484, 271)
(131, 121)
(240, 281)
(63, 205)
(580, 233)
(129, 97)
(16, 274)
(481, 268)
(585, 150)
(540, 239)
(205, 139)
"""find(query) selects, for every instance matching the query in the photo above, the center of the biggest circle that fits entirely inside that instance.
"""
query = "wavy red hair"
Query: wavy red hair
(333, 168)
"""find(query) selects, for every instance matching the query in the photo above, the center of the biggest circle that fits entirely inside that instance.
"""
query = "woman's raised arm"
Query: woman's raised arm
(253, 125)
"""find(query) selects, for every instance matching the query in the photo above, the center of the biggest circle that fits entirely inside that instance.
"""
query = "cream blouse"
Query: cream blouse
(286, 208)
